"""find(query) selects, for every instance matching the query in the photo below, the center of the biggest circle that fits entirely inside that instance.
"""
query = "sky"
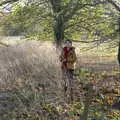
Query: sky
(7, 8)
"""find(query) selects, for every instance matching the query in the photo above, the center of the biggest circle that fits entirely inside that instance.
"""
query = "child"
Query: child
(68, 59)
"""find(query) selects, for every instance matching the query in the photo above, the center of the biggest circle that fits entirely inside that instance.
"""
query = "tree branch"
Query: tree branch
(78, 7)
(117, 7)
(8, 1)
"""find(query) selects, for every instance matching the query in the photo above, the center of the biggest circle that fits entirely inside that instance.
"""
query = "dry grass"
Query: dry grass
(32, 71)
(31, 66)
(34, 62)
(38, 63)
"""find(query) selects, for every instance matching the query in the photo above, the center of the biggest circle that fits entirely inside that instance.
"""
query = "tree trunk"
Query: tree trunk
(58, 21)
(86, 110)
(59, 30)
(117, 7)
(88, 101)
(119, 53)
(119, 41)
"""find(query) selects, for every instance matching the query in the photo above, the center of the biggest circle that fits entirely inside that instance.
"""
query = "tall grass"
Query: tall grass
(33, 71)
(29, 62)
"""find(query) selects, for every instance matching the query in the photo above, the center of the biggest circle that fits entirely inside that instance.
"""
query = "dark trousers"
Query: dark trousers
(67, 75)
(70, 73)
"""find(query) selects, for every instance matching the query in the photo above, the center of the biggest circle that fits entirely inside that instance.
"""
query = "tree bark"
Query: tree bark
(119, 53)
(58, 22)
(59, 30)
(88, 101)
(119, 42)
(86, 110)
(117, 7)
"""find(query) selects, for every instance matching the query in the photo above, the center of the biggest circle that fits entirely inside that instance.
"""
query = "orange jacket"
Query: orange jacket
(68, 58)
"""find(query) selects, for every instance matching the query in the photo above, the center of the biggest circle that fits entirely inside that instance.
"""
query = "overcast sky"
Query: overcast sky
(8, 7)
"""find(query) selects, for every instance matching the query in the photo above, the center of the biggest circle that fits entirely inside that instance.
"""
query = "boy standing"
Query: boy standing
(68, 59)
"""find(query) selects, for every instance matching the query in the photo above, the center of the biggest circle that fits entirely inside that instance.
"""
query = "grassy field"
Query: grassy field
(31, 83)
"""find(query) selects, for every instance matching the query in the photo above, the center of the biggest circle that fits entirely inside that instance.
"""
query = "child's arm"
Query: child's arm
(72, 58)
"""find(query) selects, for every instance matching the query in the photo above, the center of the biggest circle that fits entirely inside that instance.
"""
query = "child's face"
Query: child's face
(68, 44)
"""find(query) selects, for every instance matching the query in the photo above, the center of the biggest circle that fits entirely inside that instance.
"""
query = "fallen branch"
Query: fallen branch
(3, 44)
